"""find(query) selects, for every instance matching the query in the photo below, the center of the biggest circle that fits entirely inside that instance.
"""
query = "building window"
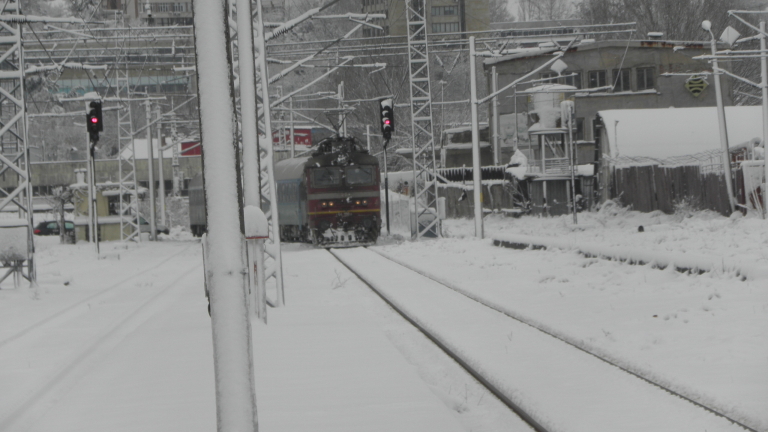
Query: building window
(645, 78)
(451, 27)
(578, 134)
(621, 80)
(550, 77)
(444, 10)
(574, 80)
(372, 32)
(596, 79)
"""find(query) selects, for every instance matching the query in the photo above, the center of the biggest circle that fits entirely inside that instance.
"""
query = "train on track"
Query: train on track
(330, 198)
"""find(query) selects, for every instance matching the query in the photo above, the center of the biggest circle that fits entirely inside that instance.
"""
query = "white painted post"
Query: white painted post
(764, 85)
(476, 174)
(231, 327)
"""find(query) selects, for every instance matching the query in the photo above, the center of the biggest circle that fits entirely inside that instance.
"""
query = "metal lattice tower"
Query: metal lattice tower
(422, 135)
(14, 148)
(266, 156)
(129, 191)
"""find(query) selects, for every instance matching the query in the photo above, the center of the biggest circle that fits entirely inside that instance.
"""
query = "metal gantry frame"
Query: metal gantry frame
(129, 187)
(14, 148)
(422, 134)
(267, 185)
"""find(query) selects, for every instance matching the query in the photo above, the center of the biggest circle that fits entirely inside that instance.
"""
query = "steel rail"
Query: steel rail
(573, 342)
(525, 416)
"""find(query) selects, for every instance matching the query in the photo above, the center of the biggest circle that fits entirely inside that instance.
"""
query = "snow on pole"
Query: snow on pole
(225, 267)
(476, 174)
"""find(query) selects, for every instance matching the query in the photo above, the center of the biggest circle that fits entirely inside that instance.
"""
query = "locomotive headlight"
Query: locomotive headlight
(357, 202)
(365, 202)
(330, 203)
(324, 204)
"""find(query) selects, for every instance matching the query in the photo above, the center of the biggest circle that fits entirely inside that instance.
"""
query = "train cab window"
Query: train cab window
(326, 177)
(359, 175)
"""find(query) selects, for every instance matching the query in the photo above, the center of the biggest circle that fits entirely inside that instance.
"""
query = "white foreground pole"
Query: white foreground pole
(764, 85)
(476, 174)
(225, 268)
(722, 123)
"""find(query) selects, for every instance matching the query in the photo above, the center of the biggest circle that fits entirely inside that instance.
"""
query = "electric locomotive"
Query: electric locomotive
(330, 198)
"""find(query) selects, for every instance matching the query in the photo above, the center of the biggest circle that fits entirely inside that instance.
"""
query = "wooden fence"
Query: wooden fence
(649, 188)
(459, 202)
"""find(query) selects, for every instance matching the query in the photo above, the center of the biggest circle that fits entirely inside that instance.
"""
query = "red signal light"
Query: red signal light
(94, 120)
(387, 122)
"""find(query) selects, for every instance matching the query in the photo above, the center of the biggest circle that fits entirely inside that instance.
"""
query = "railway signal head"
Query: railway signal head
(387, 118)
(94, 121)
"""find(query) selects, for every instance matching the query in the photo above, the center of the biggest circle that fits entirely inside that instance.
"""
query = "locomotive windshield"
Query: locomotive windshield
(326, 177)
(359, 175)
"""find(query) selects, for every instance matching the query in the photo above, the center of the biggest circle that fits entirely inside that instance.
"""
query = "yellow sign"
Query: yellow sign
(696, 85)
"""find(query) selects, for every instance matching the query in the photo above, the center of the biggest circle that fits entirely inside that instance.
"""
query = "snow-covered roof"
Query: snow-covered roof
(670, 132)
(464, 146)
(549, 88)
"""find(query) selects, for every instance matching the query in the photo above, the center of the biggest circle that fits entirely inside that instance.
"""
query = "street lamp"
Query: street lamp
(729, 36)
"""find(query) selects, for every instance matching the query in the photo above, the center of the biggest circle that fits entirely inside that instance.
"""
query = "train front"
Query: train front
(343, 197)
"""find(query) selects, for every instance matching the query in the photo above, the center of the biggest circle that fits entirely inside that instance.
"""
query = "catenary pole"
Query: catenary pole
(151, 175)
(386, 185)
(160, 169)
(226, 271)
(495, 113)
(89, 180)
(293, 130)
(764, 85)
(723, 125)
(476, 174)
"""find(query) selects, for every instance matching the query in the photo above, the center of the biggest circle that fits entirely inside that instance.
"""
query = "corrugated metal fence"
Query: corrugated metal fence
(649, 188)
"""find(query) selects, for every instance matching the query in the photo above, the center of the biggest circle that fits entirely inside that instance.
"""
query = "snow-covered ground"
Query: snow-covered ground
(124, 342)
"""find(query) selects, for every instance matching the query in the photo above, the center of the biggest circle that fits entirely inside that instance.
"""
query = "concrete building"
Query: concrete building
(443, 16)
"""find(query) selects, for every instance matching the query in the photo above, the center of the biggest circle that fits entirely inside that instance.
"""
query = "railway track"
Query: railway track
(43, 361)
(538, 369)
(81, 306)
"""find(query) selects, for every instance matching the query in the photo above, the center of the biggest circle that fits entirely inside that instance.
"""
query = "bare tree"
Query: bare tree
(677, 19)
(544, 10)
(499, 10)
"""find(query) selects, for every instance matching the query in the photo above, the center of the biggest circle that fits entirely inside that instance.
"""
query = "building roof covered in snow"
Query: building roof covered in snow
(672, 132)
